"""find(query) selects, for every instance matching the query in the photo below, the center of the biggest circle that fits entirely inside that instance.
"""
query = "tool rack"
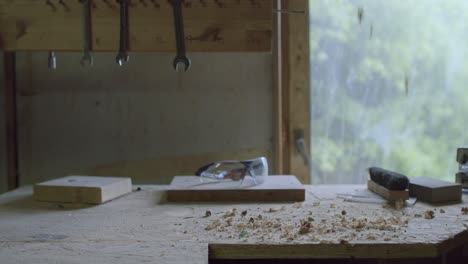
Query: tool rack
(210, 25)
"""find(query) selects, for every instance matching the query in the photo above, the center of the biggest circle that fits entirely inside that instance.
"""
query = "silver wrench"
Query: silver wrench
(180, 37)
(122, 56)
(87, 57)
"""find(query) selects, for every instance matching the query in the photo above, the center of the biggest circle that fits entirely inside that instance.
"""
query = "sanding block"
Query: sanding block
(434, 191)
(390, 185)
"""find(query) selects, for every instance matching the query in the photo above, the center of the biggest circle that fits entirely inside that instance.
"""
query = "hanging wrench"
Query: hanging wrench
(122, 56)
(180, 38)
(87, 57)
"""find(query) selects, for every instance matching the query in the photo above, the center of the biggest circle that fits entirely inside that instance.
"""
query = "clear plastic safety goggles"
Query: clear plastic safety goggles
(236, 170)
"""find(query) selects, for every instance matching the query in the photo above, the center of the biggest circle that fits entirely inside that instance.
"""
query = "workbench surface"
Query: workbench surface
(141, 227)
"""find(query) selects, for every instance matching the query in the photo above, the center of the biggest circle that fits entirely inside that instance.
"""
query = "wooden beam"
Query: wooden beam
(295, 88)
(277, 90)
(228, 25)
(10, 119)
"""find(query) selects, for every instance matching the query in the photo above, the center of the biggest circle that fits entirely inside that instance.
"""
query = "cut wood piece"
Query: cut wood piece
(82, 189)
(434, 191)
(281, 188)
(386, 193)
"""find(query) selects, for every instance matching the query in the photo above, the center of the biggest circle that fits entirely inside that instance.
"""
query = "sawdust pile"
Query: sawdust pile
(298, 222)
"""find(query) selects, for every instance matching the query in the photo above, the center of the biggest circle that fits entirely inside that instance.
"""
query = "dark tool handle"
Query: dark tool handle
(179, 26)
(123, 25)
(389, 179)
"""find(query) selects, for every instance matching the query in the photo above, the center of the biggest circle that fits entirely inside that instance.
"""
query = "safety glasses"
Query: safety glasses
(236, 170)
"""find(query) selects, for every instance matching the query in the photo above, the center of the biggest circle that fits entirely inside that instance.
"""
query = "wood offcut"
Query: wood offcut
(281, 188)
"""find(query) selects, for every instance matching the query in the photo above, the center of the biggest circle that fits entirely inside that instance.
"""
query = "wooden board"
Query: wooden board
(434, 191)
(210, 25)
(82, 189)
(140, 227)
(282, 188)
(386, 193)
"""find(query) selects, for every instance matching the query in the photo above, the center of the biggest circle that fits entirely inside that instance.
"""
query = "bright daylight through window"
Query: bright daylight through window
(389, 87)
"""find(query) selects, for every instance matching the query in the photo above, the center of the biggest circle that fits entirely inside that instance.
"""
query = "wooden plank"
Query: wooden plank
(274, 189)
(386, 193)
(82, 189)
(209, 25)
(296, 87)
(324, 251)
(11, 120)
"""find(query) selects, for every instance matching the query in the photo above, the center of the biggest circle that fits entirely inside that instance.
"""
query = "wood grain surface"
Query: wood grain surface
(276, 188)
(209, 25)
(142, 226)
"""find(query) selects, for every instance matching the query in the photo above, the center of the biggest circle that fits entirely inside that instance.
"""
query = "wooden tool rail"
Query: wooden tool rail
(210, 25)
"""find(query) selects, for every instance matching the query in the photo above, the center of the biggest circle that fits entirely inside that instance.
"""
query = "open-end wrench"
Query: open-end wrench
(122, 56)
(87, 57)
(180, 38)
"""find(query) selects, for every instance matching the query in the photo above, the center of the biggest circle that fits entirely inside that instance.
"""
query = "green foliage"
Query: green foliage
(388, 90)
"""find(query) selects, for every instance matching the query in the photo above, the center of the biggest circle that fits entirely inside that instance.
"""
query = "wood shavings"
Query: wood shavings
(417, 215)
(230, 213)
(244, 213)
(213, 225)
(442, 211)
(371, 237)
(207, 213)
(399, 204)
(316, 203)
(387, 239)
(332, 205)
(305, 227)
(464, 210)
(297, 205)
(275, 209)
(359, 223)
(343, 212)
(429, 214)
(251, 220)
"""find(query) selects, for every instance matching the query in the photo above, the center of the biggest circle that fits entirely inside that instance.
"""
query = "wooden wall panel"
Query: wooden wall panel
(210, 25)
(143, 120)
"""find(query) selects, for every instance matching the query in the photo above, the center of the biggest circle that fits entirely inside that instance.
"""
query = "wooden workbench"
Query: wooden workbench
(140, 227)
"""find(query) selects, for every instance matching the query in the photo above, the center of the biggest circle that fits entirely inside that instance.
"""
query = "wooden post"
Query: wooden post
(10, 119)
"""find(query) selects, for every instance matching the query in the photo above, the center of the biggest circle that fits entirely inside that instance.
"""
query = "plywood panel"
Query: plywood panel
(141, 227)
(143, 120)
(228, 25)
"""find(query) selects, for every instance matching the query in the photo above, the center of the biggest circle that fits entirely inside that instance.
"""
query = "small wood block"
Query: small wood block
(435, 191)
(386, 193)
(82, 189)
(281, 188)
